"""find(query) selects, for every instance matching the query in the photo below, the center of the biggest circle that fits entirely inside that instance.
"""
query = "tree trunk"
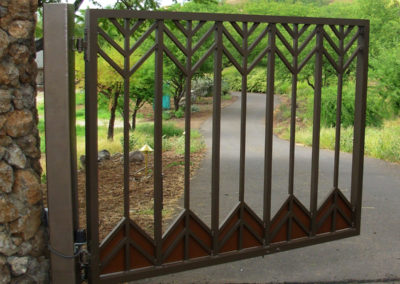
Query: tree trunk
(133, 125)
(177, 99)
(135, 110)
(110, 134)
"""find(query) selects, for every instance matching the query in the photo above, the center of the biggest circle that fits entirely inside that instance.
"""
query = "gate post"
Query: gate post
(60, 139)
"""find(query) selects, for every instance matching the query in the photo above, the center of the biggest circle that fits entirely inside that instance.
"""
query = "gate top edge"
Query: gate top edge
(167, 15)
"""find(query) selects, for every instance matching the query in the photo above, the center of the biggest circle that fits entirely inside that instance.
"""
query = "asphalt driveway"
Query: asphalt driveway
(372, 257)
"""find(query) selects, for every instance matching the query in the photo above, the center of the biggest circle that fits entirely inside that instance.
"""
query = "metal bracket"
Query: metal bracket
(84, 257)
(80, 239)
(79, 45)
(81, 251)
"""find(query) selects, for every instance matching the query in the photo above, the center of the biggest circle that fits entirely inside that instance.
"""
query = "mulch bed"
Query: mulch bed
(111, 174)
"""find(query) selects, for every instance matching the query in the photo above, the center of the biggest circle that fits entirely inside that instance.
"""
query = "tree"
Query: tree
(109, 86)
(387, 74)
(137, 4)
(173, 74)
(142, 88)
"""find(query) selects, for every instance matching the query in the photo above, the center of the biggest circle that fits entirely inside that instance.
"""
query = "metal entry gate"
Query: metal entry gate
(129, 253)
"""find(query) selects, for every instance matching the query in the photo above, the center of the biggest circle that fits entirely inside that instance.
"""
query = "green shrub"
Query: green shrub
(283, 87)
(132, 142)
(387, 74)
(225, 88)
(196, 143)
(179, 113)
(257, 81)
(226, 97)
(166, 115)
(232, 78)
(203, 86)
(144, 134)
(328, 107)
(195, 108)
(168, 129)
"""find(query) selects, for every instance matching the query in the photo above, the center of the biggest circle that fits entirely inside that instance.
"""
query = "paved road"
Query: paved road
(373, 257)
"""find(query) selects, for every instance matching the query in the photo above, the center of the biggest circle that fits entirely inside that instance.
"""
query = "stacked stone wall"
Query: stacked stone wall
(22, 234)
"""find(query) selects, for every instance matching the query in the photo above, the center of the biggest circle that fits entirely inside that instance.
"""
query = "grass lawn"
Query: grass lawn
(380, 142)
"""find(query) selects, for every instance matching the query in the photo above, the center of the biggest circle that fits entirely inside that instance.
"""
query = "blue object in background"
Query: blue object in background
(166, 102)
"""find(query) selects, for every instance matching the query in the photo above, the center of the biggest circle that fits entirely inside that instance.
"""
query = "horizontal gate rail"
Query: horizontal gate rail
(128, 253)
(105, 13)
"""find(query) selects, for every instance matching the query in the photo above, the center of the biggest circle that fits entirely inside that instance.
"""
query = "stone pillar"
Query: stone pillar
(22, 234)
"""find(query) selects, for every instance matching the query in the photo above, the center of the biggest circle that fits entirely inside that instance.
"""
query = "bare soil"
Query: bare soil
(141, 191)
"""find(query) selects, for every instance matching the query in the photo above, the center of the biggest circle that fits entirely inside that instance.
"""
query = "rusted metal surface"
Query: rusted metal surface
(129, 253)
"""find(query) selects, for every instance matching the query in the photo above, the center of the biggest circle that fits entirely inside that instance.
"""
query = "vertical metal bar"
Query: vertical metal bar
(293, 108)
(188, 100)
(359, 125)
(158, 184)
(334, 212)
(216, 133)
(339, 110)
(126, 142)
(60, 138)
(92, 206)
(316, 128)
(269, 116)
(243, 114)
(290, 221)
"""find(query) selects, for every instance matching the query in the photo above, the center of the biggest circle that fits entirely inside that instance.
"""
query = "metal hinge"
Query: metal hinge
(79, 45)
(80, 252)
(80, 247)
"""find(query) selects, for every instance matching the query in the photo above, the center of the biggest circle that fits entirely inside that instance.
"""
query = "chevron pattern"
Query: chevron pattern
(292, 221)
(126, 236)
(335, 213)
(189, 238)
(233, 44)
(243, 221)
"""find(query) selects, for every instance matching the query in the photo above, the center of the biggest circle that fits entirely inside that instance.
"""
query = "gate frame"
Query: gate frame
(91, 122)
(61, 164)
